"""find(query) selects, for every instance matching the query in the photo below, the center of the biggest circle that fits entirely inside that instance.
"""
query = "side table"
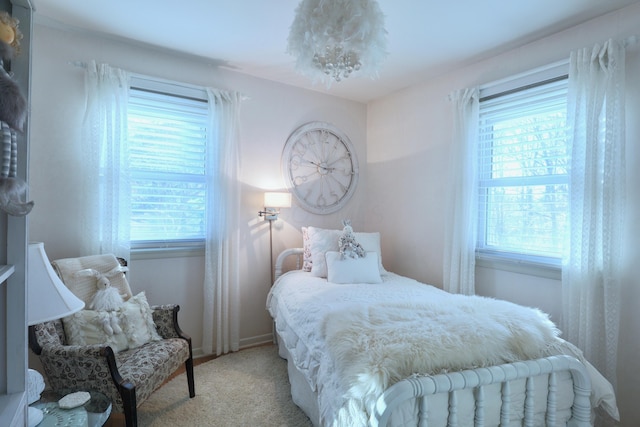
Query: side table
(94, 413)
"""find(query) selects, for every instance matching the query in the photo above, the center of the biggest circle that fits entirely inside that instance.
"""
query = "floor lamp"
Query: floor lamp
(47, 299)
(272, 202)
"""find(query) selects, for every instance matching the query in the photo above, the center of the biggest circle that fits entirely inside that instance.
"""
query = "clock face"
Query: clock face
(320, 167)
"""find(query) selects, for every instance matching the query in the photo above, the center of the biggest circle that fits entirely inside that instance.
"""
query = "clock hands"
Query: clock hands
(328, 169)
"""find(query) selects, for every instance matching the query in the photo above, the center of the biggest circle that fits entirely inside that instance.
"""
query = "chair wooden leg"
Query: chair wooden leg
(189, 368)
(129, 407)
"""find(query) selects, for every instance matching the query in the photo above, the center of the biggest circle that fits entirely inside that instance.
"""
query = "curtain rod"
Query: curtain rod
(83, 65)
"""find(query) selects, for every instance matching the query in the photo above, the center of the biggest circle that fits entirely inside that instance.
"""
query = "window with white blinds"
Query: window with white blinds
(168, 149)
(523, 169)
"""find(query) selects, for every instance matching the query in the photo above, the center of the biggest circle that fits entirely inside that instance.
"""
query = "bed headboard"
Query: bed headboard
(296, 253)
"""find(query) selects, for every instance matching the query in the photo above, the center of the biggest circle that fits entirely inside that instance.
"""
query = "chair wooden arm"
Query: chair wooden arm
(166, 319)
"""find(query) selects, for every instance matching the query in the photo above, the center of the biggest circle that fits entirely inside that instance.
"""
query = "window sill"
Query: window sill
(174, 252)
(521, 266)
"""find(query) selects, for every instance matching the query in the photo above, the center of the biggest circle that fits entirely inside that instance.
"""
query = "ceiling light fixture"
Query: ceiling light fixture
(333, 38)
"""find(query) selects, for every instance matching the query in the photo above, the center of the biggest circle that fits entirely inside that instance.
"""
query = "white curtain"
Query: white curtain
(105, 177)
(591, 272)
(461, 225)
(221, 288)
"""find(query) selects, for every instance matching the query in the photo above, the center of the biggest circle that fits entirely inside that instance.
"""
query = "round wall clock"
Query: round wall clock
(320, 167)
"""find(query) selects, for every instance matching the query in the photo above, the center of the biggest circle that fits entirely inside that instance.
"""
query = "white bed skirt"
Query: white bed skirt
(301, 392)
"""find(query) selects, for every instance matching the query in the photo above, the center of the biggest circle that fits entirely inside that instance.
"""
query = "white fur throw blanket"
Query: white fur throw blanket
(376, 346)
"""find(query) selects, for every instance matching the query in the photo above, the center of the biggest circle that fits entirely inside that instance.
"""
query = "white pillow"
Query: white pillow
(352, 270)
(371, 243)
(85, 328)
(135, 319)
(322, 241)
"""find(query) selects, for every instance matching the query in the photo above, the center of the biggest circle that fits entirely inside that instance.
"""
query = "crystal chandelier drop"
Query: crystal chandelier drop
(334, 38)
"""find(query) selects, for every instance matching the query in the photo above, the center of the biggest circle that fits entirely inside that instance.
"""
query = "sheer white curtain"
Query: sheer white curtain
(221, 290)
(460, 229)
(591, 272)
(105, 183)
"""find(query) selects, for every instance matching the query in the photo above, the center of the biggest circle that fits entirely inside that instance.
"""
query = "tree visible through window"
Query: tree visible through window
(523, 172)
(167, 147)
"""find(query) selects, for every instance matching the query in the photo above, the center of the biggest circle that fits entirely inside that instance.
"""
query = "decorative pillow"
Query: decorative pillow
(322, 241)
(371, 243)
(85, 328)
(136, 321)
(306, 246)
(352, 270)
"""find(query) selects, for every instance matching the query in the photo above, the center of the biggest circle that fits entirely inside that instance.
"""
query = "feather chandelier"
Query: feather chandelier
(333, 38)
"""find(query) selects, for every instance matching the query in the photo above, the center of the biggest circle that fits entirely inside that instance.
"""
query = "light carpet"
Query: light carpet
(246, 388)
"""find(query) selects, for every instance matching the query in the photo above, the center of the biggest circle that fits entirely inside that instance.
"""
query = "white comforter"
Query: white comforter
(353, 341)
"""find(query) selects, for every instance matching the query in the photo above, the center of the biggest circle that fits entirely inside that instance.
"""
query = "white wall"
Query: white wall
(408, 136)
(269, 115)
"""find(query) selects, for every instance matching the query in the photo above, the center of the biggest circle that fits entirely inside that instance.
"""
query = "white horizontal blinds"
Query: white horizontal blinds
(168, 140)
(523, 164)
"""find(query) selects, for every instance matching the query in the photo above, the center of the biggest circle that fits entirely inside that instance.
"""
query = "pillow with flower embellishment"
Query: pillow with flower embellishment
(323, 240)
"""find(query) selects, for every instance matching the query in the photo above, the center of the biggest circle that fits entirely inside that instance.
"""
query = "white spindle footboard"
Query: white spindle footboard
(423, 388)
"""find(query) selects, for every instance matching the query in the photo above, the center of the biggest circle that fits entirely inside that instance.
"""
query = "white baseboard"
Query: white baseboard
(244, 343)
(257, 340)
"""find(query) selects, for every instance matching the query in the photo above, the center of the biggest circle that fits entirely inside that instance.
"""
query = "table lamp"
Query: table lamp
(47, 299)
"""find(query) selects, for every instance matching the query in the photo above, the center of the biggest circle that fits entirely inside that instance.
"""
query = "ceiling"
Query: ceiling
(425, 37)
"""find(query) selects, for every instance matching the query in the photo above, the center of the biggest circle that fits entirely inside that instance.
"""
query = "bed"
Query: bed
(388, 350)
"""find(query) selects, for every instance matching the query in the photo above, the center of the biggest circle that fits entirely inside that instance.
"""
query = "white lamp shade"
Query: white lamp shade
(48, 298)
(277, 200)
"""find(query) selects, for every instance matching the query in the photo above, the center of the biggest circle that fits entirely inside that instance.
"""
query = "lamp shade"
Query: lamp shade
(48, 297)
(277, 200)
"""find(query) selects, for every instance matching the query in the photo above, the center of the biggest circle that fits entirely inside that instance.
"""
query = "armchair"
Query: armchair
(127, 376)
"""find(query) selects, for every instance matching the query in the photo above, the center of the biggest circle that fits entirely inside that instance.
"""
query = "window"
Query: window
(523, 173)
(167, 129)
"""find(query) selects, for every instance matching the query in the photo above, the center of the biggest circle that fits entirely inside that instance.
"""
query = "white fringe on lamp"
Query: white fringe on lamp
(333, 38)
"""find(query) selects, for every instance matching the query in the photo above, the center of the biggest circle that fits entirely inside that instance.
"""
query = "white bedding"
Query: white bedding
(309, 313)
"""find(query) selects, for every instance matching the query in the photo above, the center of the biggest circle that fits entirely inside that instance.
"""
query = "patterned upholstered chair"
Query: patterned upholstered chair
(126, 370)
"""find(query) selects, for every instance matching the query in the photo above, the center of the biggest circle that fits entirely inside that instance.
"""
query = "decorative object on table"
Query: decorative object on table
(13, 113)
(107, 298)
(47, 298)
(35, 386)
(320, 167)
(349, 246)
(273, 201)
(73, 400)
(333, 38)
